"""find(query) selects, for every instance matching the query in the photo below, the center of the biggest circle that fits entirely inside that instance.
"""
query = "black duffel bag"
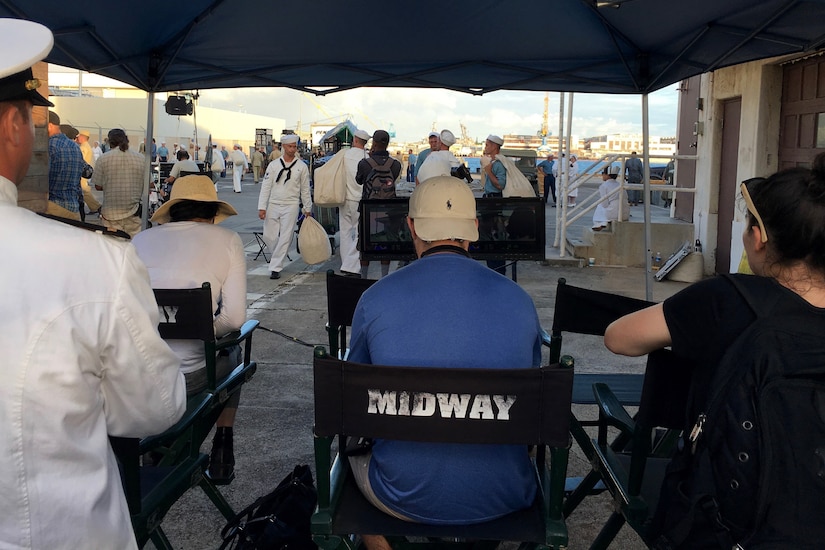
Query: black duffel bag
(278, 519)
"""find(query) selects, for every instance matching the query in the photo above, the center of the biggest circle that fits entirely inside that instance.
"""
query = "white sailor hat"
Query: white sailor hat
(289, 138)
(362, 134)
(23, 44)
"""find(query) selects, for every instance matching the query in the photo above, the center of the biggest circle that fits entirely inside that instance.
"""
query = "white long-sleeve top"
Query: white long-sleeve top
(283, 191)
(82, 360)
(188, 254)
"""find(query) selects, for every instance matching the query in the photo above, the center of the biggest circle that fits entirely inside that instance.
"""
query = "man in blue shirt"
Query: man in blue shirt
(493, 172)
(494, 176)
(65, 168)
(163, 152)
(411, 158)
(445, 310)
(546, 167)
(434, 140)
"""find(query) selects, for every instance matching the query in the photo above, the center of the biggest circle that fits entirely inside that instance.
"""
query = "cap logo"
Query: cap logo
(449, 205)
(32, 84)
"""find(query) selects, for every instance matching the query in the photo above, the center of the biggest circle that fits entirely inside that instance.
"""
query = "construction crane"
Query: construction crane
(544, 119)
(465, 136)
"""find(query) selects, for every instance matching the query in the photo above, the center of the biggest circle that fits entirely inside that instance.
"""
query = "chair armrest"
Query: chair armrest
(546, 340)
(611, 411)
(237, 336)
(195, 406)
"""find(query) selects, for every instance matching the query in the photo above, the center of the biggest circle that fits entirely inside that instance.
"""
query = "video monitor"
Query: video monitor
(508, 229)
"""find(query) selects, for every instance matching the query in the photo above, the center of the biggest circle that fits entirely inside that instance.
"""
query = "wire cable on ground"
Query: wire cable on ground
(288, 337)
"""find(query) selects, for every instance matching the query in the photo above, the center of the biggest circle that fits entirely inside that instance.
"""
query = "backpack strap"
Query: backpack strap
(756, 291)
(385, 166)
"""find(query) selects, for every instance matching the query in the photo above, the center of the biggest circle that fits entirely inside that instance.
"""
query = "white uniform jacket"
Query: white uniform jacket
(280, 190)
(438, 163)
(82, 360)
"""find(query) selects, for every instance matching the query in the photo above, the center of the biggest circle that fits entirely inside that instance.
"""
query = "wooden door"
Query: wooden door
(802, 129)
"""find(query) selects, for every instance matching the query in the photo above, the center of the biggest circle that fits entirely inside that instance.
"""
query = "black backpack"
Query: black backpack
(752, 467)
(279, 519)
(380, 182)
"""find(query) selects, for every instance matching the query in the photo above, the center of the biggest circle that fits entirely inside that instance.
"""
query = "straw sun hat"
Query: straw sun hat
(194, 188)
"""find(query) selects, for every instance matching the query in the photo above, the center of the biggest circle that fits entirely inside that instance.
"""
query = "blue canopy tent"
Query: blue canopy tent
(608, 46)
(611, 46)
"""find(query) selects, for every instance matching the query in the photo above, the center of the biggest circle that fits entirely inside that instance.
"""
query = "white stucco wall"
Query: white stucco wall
(99, 115)
(759, 84)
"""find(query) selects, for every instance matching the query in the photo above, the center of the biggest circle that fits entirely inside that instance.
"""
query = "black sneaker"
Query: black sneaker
(274, 275)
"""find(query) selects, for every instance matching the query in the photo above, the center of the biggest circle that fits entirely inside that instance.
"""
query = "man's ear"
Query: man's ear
(411, 225)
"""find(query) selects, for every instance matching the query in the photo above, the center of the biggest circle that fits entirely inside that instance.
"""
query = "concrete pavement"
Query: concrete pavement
(274, 423)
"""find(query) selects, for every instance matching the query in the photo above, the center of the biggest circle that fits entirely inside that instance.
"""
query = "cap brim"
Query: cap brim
(38, 99)
(440, 229)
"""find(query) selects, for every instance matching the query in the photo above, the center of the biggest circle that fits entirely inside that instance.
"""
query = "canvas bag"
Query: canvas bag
(331, 182)
(517, 183)
(313, 242)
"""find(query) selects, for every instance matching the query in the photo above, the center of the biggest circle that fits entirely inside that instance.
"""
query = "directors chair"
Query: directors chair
(178, 464)
(582, 311)
(539, 416)
(343, 294)
(634, 475)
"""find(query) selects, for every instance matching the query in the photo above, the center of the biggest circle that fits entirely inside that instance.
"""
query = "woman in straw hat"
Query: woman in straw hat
(186, 249)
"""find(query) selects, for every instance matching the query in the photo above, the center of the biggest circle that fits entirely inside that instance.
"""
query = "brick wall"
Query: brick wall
(33, 192)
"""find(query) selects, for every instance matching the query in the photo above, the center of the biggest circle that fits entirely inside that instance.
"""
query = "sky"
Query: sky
(414, 112)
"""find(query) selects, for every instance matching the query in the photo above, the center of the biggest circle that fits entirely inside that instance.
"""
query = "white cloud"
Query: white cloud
(412, 112)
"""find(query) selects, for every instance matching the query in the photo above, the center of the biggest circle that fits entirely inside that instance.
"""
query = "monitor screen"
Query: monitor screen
(508, 229)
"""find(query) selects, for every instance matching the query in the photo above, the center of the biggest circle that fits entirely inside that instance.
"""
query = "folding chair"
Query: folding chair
(259, 239)
(538, 417)
(582, 311)
(634, 477)
(343, 294)
(151, 490)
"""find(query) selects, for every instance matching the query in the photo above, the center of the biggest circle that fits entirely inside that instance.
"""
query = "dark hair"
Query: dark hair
(792, 206)
(182, 154)
(606, 172)
(186, 210)
(22, 105)
(118, 138)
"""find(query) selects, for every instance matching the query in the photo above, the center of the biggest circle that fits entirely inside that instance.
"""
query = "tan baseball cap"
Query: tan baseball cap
(444, 208)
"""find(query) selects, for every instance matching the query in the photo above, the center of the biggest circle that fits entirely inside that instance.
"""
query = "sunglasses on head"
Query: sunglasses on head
(751, 207)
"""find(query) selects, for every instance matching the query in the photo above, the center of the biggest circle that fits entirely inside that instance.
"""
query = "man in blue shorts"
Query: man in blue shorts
(445, 310)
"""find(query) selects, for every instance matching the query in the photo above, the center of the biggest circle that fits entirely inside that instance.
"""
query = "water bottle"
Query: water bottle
(697, 247)
(657, 261)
